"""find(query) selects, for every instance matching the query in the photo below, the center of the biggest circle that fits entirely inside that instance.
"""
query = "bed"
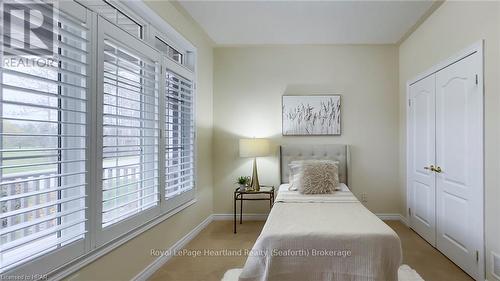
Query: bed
(322, 237)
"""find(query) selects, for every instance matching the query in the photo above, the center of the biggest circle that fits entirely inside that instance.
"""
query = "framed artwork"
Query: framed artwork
(311, 115)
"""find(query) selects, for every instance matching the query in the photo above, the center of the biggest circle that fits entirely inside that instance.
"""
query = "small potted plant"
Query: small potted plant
(243, 182)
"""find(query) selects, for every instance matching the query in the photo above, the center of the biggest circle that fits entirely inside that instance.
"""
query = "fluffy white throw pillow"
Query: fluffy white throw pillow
(318, 177)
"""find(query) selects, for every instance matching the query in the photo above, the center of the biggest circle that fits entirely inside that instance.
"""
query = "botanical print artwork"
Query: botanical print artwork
(311, 115)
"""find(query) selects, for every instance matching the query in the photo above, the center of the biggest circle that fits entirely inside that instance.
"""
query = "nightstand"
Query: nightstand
(266, 192)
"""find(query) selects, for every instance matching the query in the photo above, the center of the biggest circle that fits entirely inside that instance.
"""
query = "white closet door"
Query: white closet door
(459, 144)
(422, 155)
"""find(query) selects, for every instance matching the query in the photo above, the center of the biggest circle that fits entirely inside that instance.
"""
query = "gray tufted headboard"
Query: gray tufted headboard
(337, 152)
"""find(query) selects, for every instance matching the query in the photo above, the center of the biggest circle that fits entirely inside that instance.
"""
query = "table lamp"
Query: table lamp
(254, 148)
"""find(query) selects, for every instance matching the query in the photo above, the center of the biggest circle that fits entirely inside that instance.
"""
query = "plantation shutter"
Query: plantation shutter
(179, 136)
(43, 140)
(130, 127)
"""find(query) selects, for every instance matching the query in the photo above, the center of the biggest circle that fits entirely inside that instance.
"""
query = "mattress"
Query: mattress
(325, 237)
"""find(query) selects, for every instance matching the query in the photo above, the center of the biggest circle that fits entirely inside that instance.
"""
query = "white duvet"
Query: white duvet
(323, 237)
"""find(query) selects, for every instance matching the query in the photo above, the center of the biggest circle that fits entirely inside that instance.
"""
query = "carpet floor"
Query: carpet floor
(217, 238)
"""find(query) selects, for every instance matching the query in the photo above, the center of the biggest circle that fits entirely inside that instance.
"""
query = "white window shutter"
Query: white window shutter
(129, 81)
(130, 125)
(43, 147)
(179, 138)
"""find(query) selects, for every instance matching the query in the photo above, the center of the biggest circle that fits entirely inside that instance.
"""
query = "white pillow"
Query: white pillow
(294, 175)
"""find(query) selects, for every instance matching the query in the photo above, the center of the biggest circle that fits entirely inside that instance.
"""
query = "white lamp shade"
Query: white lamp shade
(254, 147)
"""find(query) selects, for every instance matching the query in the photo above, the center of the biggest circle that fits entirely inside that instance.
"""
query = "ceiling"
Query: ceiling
(306, 22)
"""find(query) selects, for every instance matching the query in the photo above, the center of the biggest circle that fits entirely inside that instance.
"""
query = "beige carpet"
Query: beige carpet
(405, 273)
(418, 254)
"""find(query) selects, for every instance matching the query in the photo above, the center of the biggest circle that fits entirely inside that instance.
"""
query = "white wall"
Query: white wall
(249, 84)
(131, 258)
(451, 28)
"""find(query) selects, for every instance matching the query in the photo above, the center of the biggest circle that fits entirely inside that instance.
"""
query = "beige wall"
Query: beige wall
(451, 28)
(249, 83)
(131, 258)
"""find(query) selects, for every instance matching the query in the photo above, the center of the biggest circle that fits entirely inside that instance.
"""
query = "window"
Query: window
(169, 51)
(130, 139)
(43, 140)
(130, 130)
(114, 15)
(97, 133)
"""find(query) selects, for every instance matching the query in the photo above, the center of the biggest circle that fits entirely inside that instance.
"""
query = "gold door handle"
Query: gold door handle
(438, 170)
(431, 168)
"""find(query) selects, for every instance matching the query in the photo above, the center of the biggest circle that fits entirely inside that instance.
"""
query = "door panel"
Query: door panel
(422, 200)
(422, 154)
(459, 154)
(455, 210)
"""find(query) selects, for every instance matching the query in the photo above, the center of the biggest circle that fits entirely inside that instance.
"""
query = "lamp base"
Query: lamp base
(254, 184)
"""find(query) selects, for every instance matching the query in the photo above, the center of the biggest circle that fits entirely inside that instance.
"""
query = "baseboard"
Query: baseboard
(160, 261)
(247, 217)
(393, 217)
(404, 220)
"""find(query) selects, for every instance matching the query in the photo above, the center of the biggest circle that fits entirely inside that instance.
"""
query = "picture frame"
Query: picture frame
(311, 115)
